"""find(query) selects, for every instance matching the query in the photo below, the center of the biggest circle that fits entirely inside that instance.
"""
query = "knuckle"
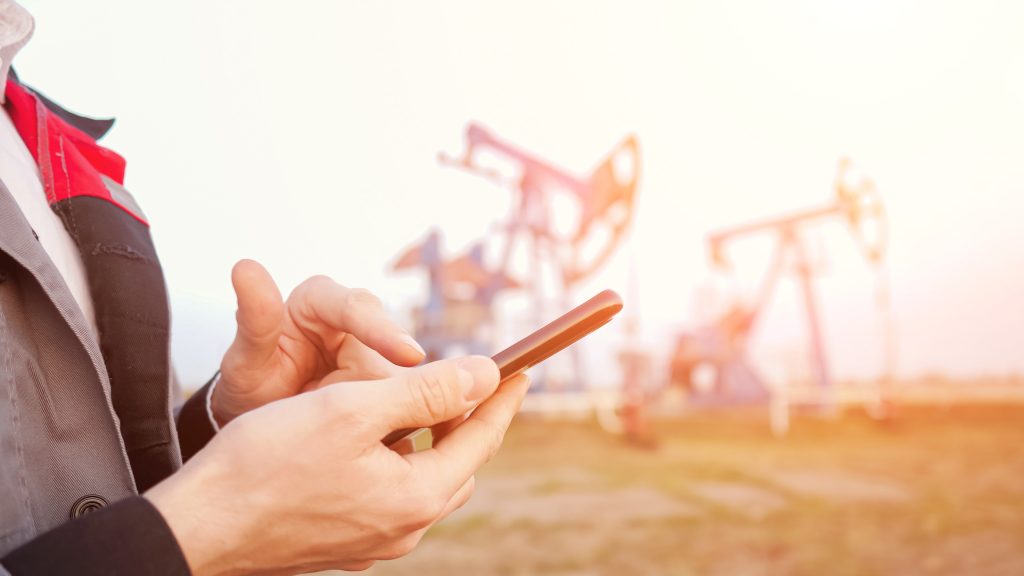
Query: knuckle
(360, 566)
(315, 284)
(337, 404)
(405, 516)
(416, 519)
(430, 390)
(400, 547)
(363, 297)
(303, 300)
(320, 280)
(421, 512)
(432, 509)
(495, 435)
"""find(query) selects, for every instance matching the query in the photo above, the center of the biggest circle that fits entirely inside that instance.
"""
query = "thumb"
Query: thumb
(260, 313)
(421, 396)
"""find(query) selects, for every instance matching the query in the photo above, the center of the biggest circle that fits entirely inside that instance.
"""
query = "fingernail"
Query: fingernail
(412, 343)
(478, 376)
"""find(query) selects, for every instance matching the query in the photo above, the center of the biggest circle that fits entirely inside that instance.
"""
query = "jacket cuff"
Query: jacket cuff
(127, 537)
(195, 428)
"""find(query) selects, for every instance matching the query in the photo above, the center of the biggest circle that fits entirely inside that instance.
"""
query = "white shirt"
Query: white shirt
(20, 174)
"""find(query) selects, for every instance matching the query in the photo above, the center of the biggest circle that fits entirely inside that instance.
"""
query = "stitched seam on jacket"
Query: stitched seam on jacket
(138, 318)
(67, 180)
(19, 465)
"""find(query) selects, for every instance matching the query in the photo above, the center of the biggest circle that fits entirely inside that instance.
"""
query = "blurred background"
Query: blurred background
(812, 210)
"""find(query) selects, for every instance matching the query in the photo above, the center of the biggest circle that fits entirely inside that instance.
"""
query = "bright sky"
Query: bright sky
(304, 135)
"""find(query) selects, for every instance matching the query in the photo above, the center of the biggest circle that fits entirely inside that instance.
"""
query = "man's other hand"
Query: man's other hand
(284, 348)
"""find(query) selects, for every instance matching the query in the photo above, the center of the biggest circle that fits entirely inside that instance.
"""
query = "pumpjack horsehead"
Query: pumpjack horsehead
(462, 290)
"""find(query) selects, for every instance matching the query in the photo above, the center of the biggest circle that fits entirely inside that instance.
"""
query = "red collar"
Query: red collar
(70, 163)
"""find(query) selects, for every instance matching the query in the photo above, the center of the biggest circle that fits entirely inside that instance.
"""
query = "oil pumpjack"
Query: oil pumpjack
(459, 308)
(723, 345)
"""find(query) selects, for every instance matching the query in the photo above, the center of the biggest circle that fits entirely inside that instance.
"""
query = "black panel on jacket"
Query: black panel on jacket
(132, 314)
(129, 537)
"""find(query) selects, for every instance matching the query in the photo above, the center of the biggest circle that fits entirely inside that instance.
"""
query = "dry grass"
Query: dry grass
(936, 491)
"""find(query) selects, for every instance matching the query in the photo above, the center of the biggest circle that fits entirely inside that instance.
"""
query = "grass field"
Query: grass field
(934, 491)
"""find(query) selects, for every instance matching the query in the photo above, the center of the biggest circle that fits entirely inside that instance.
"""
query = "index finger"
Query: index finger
(327, 306)
(472, 443)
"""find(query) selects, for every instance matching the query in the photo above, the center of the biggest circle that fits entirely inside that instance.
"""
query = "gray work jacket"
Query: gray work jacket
(84, 422)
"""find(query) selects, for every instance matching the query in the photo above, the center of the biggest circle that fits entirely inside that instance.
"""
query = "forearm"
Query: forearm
(128, 537)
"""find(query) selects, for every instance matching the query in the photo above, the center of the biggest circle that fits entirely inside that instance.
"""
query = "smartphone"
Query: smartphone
(550, 339)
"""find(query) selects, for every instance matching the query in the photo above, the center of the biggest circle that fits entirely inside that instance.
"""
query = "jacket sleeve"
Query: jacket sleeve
(195, 428)
(127, 537)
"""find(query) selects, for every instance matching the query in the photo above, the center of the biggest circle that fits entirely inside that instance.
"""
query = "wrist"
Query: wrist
(218, 408)
(189, 509)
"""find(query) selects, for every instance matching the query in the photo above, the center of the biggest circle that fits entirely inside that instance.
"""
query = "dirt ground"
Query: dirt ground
(933, 491)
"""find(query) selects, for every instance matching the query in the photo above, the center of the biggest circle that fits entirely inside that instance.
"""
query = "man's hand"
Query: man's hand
(284, 348)
(305, 484)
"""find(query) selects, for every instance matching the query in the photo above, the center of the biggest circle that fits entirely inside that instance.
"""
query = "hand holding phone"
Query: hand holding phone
(552, 338)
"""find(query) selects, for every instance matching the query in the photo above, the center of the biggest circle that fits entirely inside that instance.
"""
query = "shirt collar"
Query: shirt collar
(16, 27)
